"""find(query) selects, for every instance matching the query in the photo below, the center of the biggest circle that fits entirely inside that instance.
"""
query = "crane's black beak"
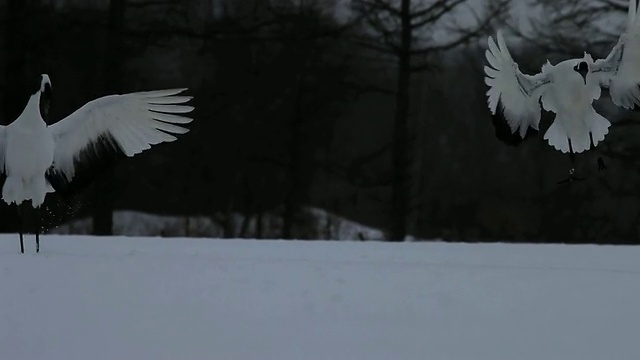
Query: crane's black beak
(583, 69)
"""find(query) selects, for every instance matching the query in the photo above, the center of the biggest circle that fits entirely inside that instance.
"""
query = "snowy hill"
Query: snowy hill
(153, 298)
(323, 225)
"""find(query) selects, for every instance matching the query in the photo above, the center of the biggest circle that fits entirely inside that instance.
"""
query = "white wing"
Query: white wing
(131, 122)
(518, 93)
(620, 70)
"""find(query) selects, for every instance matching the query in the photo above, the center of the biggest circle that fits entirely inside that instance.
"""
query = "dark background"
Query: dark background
(372, 110)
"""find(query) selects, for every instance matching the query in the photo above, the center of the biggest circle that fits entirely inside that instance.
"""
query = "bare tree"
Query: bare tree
(125, 20)
(570, 27)
(404, 31)
(113, 75)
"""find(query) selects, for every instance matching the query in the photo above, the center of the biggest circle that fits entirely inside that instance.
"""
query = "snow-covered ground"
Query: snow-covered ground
(151, 299)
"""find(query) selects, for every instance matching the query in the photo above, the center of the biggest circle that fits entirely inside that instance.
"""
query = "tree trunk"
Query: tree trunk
(292, 199)
(291, 205)
(103, 192)
(259, 225)
(403, 153)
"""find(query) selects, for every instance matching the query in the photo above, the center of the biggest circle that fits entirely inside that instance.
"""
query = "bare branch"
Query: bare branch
(616, 5)
(465, 35)
(563, 30)
(436, 6)
(376, 6)
(434, 13)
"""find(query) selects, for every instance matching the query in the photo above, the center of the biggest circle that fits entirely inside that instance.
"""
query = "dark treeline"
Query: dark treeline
(372, 110)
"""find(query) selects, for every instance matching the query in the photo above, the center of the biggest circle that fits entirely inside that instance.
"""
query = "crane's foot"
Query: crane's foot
(20, 229)
(601, 164)
(38, 214)
(572, 177)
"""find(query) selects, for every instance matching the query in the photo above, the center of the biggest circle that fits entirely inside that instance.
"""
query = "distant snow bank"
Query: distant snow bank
(318, 224)
(201, 299)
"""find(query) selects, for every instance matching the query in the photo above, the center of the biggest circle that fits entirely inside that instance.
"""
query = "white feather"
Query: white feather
(563, 89)
(518, 93)
(620, 70)
(27, 146)
(136, 121)
(578, 130)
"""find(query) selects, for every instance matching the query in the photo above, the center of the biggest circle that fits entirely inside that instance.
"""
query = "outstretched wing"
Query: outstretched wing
(128, 123)
(516, 93)
(620, 70)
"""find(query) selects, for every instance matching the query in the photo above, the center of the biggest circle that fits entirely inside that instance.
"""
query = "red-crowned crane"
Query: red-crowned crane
(36, 157)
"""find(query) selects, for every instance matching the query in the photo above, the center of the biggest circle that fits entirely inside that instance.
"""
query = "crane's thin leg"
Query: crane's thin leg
(600, 161)
(38, 229)
(20, 229)
(572, 157)
(601, 165)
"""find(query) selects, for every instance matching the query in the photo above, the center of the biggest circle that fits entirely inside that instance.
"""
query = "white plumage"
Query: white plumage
(133, 122)
(568, 89)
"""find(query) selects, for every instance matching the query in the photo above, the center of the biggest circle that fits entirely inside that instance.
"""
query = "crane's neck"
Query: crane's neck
(31, 113)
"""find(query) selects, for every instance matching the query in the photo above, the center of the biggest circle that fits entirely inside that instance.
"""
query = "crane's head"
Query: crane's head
(582, 68)
(45, 83)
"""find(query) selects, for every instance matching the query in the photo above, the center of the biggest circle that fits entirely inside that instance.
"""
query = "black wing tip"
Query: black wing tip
(98, 157)
(503, 131)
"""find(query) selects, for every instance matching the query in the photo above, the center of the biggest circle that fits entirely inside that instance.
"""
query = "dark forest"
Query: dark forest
(372, 111)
